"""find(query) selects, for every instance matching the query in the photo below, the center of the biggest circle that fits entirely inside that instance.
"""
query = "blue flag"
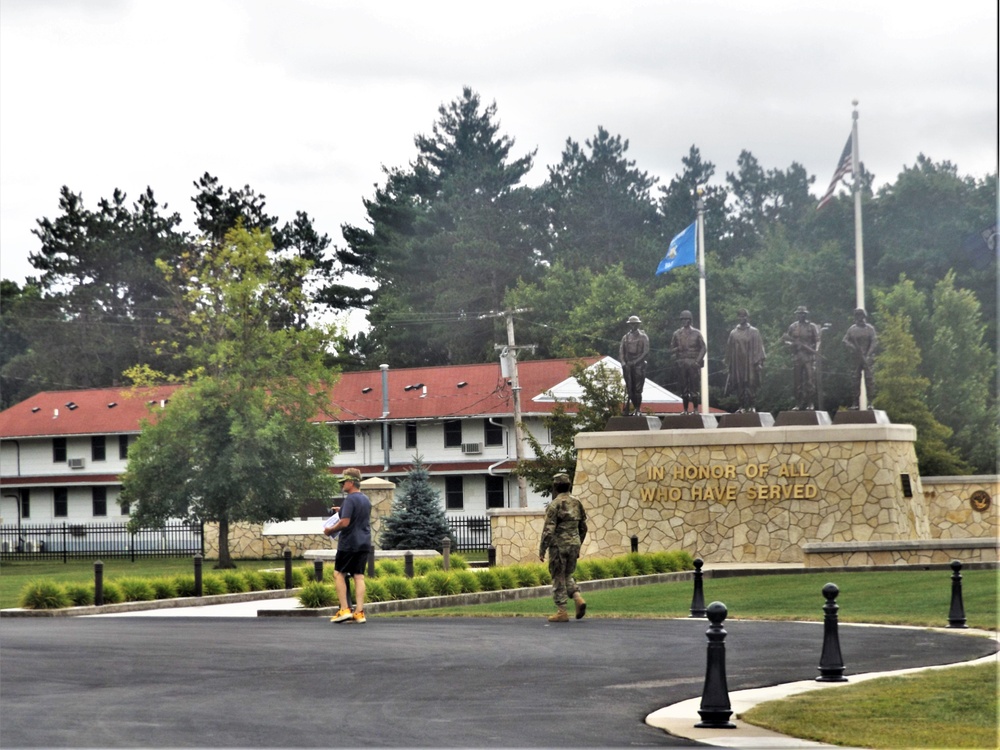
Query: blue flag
(682, 252)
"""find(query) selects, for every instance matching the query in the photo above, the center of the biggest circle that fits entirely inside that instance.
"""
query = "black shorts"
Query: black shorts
(351, 563)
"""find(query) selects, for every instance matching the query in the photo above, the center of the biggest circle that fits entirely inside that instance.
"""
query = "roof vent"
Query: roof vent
(367, 389)
(71, 405)
(462, 384)
(35, 409)
(112, 405)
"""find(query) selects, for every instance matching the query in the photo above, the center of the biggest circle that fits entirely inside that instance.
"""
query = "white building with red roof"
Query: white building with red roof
(62, 452)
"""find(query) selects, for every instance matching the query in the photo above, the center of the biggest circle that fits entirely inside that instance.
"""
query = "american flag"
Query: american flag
(844, 167)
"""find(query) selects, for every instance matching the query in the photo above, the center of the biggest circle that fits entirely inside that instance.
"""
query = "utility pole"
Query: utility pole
(510, 352)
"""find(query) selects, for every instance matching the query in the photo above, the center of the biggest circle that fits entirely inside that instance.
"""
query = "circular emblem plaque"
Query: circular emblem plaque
(980, 500)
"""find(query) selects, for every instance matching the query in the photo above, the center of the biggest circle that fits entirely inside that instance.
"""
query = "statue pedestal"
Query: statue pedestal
(803, 418)
(747, 419)
(631, 424)
(858, 416)
(689, 422)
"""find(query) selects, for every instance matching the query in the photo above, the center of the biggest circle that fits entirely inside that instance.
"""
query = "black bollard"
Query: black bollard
(956, 615)
(197, 575)
(318, 571)
(831, 663)
(635, 543)
(408, 564)
(698, 599)
(371, 562)
(99, 583)
(446, 553)
(715, 707)
(288, 569)
(491, 556)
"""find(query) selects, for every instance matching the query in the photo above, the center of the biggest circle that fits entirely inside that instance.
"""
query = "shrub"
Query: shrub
(164, 588)
(583, 571)
(298, 578)
(526, 575)
(443, 584)
(422, 565)
(315, 595)
(184, 585)
(235, 582)
(80, 594)
(136, 589)
(457, 562)
(375, 590)
(600, 569)
(398, 587)
(44, 594)
(671, 562)
(544, 576)
(422, 587)
(273, 580)
(506, 578)
(622, 567)
(213, 585)
(112, 593)
(643, 565)
(488, 580)
(468, 582)
(385, 568)
(254, 580)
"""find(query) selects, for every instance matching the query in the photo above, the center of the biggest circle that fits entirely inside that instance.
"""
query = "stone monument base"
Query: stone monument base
(632, 423)
(861, 416)
(797, 417)
(689, 422)
(747, 419)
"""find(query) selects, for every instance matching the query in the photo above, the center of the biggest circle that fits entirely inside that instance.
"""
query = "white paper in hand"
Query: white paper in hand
(330, 522)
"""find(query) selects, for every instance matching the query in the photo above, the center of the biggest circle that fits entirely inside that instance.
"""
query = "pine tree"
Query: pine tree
(417, 520)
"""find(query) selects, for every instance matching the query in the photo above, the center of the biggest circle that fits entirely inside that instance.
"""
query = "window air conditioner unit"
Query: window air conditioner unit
(76, 463)
(472, 448)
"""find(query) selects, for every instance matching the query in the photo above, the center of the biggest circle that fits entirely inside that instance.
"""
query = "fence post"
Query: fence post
(956, 615)
(65, 544)
(491, 556)
(446, 553)
(197, 575)
(715, 706)
(99, 583)
(831, 663)
(288, 569)
(408, 564)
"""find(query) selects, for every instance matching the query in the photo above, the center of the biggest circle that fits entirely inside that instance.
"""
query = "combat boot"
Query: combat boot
(561, 615)
(581, 605)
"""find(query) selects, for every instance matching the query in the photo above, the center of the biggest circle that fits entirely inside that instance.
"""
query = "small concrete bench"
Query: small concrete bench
(380, 554)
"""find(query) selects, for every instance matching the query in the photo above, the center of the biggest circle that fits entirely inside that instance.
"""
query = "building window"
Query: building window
(100, 496)
(25, 503)
(126, 508)
(454, 496)
(58, 450)
(411, 434)
(493, 433)
(123, 447)
(60, 506)
(496, 492)
(453, 433)
(97, 448)
(345, 436)
(382, 436)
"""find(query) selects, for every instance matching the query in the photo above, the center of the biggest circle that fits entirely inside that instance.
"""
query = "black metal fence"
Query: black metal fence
(471, 533)
(61, 541)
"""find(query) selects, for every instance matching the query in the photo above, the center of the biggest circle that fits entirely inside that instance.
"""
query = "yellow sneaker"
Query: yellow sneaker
(359, 617)
(343, 615)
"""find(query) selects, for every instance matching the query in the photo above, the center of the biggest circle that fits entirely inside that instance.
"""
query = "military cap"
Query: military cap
(562, 477)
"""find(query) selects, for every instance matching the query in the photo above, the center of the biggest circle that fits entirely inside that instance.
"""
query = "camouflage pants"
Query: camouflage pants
(562, 565)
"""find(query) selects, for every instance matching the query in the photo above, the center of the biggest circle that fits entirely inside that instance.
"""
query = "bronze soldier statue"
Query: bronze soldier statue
(745, 358)
(861, 342)
(632, 354)
(804, 336)
(688, 347)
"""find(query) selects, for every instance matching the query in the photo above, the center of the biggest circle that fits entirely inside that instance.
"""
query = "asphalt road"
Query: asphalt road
(398, 682)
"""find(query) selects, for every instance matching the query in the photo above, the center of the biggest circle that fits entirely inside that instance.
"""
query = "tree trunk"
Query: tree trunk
(225, 560)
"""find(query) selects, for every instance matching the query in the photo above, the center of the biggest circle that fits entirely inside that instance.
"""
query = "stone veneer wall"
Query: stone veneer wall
(736, 495)
(955, 513)
(255, 541)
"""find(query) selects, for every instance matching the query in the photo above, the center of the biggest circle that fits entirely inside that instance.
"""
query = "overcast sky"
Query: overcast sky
(306, 100)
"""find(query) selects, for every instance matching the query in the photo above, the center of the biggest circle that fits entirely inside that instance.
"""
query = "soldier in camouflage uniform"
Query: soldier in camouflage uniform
(564, 531)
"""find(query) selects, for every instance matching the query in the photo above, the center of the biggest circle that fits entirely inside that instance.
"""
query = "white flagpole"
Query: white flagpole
(702, 312)
(859, 245)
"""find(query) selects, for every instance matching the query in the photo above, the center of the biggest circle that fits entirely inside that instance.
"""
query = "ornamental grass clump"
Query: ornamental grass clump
(422, 587)
(273, 580)
(642, 563)
(213, 585)
(398, 588)
(316, 595)
(113, 593)
(254, 581)
(622, 567)
(506, 578)
(468, 581)
(422, 566)
(488, 580)
(44, 594)
(600, 569)
(235, 582)
(80, 594)
(184, 585)
(386, 568)
(526, 575)
(375, 590)
(444, 584)
(164, 588)
(135, 589)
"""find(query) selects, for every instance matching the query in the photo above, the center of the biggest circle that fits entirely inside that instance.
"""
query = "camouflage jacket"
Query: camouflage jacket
(565, 523)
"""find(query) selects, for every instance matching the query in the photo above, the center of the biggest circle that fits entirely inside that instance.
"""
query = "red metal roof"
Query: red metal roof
(414, 394)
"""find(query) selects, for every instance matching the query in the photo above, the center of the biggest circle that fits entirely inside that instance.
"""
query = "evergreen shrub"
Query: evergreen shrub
(44, 594)
(417, 519)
